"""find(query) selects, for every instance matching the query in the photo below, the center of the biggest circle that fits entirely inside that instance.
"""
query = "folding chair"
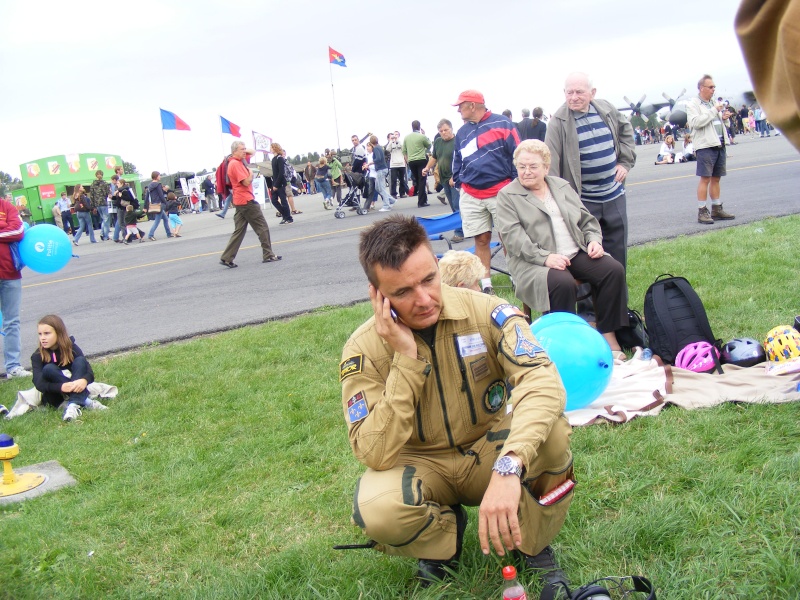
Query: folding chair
(436, 227)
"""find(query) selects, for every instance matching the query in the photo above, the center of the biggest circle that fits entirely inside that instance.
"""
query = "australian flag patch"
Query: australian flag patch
(357, 408)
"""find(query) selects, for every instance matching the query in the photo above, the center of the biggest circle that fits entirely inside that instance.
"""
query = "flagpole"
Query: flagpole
(335, 118)
(166, 156)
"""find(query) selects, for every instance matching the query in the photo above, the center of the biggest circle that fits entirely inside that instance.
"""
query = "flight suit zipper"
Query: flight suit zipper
(435, 363)
(465, 382)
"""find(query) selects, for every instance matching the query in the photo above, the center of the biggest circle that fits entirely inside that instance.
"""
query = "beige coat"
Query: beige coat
(527, 233)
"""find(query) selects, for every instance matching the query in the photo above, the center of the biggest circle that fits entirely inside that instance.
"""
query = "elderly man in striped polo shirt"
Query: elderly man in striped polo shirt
(593, 148)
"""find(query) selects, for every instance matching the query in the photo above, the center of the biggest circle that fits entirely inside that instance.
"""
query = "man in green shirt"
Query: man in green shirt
(442, 158)
(415, 151)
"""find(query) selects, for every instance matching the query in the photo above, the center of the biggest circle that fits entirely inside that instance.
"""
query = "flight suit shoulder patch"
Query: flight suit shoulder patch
(351, 366)
(503, 313)
(521, 347)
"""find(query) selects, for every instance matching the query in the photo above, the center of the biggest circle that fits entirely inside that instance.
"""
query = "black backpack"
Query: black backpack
(675, 317)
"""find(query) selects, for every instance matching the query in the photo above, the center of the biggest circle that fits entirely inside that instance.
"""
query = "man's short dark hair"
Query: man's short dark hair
(415, 126)
(154, 174)
(444, 122)
(389, 242)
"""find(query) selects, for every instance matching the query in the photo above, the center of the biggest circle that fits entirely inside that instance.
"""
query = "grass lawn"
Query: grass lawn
(223, 469)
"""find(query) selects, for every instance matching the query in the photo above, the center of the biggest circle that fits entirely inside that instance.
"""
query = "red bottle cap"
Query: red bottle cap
(509, 572)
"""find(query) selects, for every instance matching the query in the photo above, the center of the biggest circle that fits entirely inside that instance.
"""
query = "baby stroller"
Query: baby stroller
(185, 203)
(356, 184)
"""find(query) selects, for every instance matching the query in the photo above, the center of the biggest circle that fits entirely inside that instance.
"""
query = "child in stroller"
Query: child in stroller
(356, 184)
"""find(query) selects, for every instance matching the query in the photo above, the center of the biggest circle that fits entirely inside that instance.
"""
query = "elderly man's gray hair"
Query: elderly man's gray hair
(526, 113)
(235, 145)
(581, 74)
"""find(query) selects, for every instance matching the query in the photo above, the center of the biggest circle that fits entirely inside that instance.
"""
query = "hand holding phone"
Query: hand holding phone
(389, 326)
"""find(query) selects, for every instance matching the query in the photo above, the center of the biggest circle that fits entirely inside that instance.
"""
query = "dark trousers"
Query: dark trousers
(248, 214)
(53, 373)
(398, 177)
(420, 181)
(613, 219)
(607, 278)
(281, 203)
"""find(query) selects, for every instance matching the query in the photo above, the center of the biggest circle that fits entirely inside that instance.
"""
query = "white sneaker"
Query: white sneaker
(94, 405)
(385, 208)
(72, 412)
(18, 372)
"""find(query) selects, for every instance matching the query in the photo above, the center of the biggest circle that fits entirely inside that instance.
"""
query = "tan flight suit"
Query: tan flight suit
(429, 429)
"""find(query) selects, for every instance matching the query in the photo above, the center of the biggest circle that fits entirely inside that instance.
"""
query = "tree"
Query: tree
(128, 168)
(8, 184)
(203, 172)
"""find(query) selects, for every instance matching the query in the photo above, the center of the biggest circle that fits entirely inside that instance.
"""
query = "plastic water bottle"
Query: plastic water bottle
(647, 354)
(512, 590)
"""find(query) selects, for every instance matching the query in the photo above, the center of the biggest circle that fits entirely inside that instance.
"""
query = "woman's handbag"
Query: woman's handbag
(154, 208)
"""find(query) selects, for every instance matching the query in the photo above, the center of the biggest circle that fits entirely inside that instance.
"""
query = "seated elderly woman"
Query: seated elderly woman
(458, 268)
(550, 239)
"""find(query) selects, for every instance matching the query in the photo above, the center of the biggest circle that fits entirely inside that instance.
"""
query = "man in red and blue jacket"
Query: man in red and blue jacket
(11, 230)
(482, 166)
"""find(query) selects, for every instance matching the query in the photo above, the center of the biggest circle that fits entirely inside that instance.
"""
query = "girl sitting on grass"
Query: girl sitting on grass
(60, 370)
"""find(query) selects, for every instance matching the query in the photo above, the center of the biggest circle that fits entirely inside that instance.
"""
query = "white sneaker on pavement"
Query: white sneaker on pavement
(386, 208)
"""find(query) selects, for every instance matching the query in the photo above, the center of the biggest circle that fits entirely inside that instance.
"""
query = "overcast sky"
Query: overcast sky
(88, 77)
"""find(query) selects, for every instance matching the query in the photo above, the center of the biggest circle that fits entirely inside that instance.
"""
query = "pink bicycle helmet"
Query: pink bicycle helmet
(698, 357)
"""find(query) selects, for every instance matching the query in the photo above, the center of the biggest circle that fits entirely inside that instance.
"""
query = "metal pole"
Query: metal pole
(335, 118)
(163, 137)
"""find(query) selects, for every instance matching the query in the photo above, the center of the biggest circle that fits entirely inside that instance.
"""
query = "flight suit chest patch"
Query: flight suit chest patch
(495, 396)
(479, 368)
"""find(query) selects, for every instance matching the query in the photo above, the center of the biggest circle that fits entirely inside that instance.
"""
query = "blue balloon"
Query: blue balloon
(553, 318)
(45, 248)
(583, 359)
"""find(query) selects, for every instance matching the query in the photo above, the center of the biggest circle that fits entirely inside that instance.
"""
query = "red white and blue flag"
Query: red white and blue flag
(336, 58)
(170, 120)
(228, 127)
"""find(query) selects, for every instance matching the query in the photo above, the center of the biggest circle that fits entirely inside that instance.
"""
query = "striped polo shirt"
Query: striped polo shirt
(598, 158)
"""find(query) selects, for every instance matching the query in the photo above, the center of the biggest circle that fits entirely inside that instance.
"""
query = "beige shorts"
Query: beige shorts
(289, 190)
(477, 216)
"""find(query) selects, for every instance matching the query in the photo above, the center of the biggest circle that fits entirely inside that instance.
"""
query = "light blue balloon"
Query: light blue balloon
(553, 318)
(583, 359)
(45, 248)
(26, 225)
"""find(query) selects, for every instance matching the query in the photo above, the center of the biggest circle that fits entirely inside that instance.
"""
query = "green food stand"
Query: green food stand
(44, 179)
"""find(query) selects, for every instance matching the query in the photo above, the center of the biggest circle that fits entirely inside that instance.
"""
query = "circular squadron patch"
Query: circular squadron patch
(495, 396)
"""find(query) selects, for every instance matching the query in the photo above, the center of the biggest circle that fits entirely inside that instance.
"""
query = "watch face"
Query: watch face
(505, 465)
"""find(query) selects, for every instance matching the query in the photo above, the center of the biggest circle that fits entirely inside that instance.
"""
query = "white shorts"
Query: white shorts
(477, 216)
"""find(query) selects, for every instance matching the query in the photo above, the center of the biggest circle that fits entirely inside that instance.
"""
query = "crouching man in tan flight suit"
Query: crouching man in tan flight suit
(426, 386)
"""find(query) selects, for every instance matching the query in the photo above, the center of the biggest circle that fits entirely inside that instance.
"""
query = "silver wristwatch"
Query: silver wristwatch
(505, 465)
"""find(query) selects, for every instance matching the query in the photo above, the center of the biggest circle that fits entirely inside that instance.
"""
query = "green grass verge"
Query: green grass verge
(223, 468)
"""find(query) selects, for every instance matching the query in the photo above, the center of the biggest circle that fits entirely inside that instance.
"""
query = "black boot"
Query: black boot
(435, 571)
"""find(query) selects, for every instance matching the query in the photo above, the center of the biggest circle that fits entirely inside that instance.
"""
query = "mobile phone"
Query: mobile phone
(394, 315)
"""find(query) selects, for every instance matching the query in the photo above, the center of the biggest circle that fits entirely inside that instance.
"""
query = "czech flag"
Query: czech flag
(228, 127)
(336, 58)
(170, 120)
